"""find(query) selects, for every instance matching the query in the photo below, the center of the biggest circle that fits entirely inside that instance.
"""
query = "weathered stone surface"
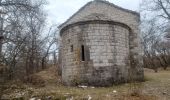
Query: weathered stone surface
(100, 46)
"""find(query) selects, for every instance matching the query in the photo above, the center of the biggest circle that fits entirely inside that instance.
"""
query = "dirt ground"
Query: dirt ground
(156, 87)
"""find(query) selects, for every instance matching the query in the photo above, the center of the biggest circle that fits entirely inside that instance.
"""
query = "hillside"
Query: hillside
(156, 87)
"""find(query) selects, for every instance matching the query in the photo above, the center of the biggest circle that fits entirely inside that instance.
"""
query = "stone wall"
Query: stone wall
(106, 45)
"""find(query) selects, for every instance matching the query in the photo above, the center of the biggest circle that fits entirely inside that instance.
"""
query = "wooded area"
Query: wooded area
(26, 42)
(155, 33)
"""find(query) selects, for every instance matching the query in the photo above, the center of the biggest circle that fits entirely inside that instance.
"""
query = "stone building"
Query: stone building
(100, 46)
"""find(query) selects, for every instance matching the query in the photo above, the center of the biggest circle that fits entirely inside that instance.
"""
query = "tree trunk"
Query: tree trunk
(43, 64)
(1, 36)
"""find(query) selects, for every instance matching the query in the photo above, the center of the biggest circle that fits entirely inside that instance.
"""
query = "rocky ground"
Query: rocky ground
(46, 85)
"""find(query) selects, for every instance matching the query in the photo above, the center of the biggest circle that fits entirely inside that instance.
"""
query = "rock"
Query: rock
(48, 98)
(164, 93)
(82, 86)
(32, 99)
(19, 94)
(107, 95)
(5, 97)
(70, 98)
(89, 97)
(114, 91)
(67, 93)
(14, 86)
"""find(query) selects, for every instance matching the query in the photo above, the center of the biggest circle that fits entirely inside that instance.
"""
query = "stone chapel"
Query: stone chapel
(101, 46)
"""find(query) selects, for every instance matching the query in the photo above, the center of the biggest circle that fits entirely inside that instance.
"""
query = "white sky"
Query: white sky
(60, 10)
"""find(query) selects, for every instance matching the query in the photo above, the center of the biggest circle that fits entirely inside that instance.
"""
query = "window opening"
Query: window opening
(71, 48)
(83, 54)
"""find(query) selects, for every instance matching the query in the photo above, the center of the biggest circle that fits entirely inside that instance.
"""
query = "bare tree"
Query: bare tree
(22, 23)
(10, 11)
(155, 26)
(160, 8)
(149, 40)
(52, 43)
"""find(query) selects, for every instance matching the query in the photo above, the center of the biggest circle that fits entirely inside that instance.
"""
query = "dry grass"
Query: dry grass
(157, 87)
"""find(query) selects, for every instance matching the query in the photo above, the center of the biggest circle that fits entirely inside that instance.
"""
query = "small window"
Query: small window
(68, 40)
(71, 48)
(82, 53)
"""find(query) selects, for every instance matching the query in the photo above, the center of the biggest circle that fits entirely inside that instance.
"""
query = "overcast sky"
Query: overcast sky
(60, 10)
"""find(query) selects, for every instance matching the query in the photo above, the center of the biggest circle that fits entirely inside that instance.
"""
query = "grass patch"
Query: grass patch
(155, 87)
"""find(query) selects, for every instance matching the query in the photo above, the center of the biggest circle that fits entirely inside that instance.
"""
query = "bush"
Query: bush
(34, 80)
